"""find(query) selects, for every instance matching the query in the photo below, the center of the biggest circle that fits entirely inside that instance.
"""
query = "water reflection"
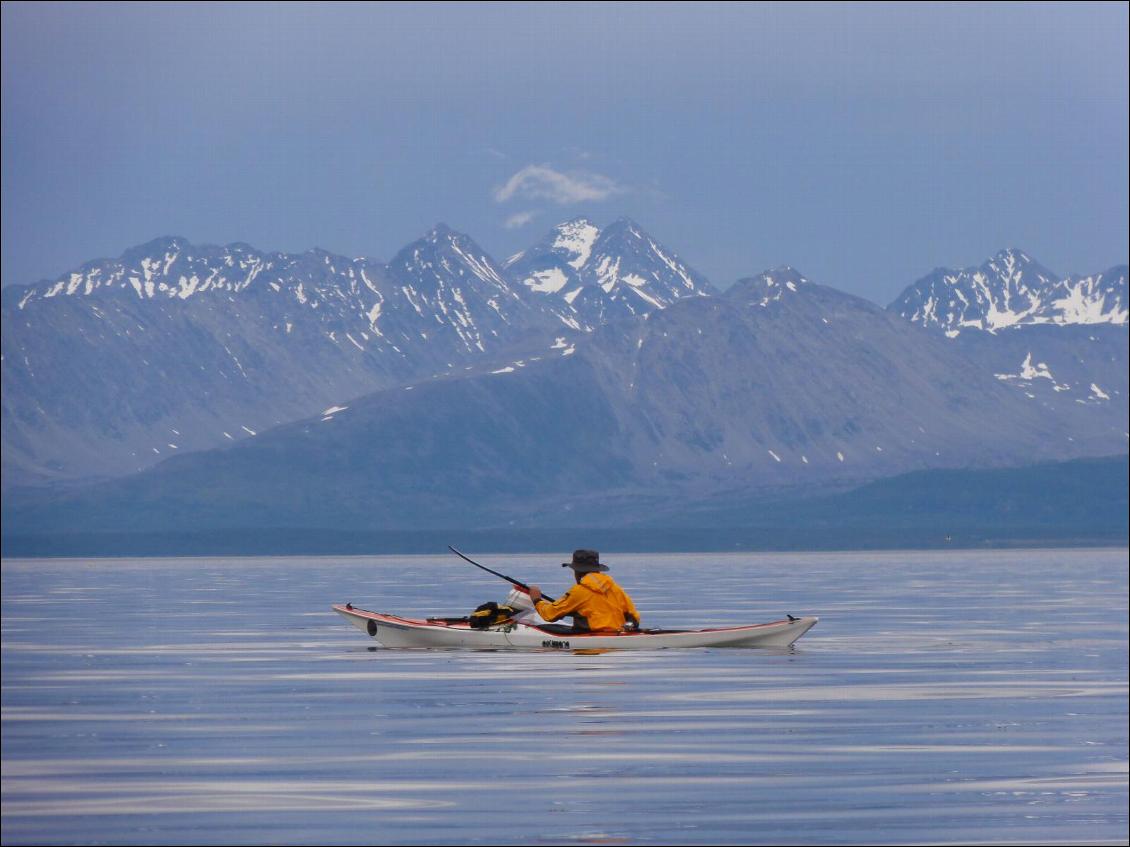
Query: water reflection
(978, 697)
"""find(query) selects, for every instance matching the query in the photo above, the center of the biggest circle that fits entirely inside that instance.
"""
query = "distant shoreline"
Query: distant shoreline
(1079, 503)
(736, 540)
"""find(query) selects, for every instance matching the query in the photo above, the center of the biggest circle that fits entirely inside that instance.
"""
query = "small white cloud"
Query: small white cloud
(541, 182)
(519, 219)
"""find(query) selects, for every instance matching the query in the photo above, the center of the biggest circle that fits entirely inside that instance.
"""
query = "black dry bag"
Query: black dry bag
(490, 614)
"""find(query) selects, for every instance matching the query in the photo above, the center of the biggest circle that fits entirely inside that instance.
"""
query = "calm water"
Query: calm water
(944, 697)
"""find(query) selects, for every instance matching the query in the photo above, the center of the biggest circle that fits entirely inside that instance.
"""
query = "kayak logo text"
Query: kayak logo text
(561, 645)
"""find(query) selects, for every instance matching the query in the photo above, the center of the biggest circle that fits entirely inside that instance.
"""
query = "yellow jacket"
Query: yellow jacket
(597, 599)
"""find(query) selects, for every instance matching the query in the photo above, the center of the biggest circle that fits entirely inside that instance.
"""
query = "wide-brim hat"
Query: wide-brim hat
(586, 561)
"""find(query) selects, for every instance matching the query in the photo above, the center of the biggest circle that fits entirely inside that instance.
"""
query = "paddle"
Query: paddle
(509, 579)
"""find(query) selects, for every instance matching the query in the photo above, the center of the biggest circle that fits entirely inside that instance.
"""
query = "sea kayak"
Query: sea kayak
(395, 631)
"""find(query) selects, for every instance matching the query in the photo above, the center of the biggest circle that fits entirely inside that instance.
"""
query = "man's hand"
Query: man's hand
(535, 593)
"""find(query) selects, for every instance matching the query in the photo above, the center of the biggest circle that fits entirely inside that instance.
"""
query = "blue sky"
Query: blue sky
(862, 144)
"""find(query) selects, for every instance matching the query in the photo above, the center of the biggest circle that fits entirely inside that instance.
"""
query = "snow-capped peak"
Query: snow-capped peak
(1011, 289)
(575, 238)
(590, 275)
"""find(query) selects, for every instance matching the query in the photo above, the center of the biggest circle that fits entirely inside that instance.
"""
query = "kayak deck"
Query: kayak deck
(396, 631)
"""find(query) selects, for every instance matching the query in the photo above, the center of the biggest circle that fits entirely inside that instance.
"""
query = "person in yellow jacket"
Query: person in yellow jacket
(596, 602)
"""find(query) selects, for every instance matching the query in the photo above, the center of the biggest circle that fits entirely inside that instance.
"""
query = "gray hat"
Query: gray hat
(585, 561)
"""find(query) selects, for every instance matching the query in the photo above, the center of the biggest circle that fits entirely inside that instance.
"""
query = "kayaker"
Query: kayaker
(596, 602)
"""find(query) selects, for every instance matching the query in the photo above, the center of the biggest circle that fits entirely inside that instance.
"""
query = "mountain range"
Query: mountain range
(594, 377)
(174, 347)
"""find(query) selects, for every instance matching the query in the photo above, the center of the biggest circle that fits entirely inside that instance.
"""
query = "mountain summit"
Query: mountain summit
(1011, 289)
(767, 287)
(588, 276)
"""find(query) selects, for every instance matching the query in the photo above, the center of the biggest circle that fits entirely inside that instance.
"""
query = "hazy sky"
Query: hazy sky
(864, 145)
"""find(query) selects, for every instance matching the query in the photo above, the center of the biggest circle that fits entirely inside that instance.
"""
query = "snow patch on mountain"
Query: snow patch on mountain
(1098, 393)
(1029, 372)
(550, 280)
(576, 237)
(1096, 299)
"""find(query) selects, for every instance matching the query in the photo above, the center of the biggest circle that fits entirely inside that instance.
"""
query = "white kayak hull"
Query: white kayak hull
(394, 631)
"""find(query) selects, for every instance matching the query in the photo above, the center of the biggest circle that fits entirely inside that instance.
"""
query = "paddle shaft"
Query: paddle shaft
(509, 579)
